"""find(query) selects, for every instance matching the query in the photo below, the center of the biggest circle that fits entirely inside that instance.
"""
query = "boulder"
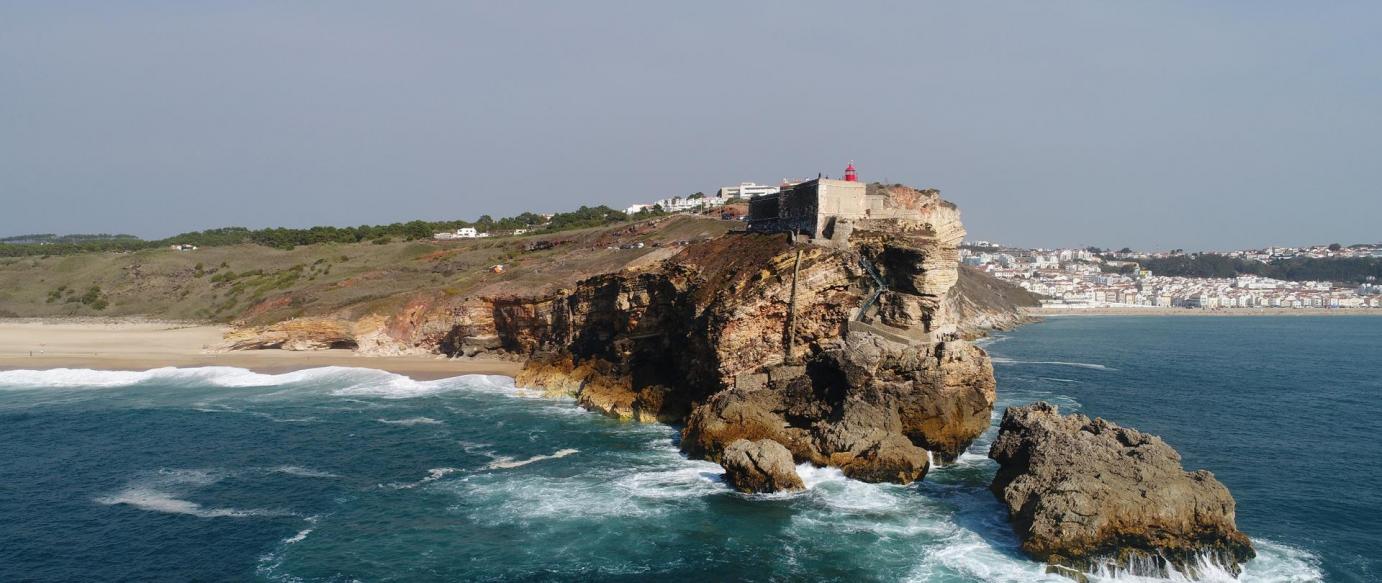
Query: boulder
(762, 466)
(1087, 494)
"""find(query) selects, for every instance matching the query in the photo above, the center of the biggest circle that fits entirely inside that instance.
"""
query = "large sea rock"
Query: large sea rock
(762, 466)
(1087, 494)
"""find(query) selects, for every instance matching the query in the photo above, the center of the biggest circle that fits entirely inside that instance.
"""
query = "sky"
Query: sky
(1155, 125)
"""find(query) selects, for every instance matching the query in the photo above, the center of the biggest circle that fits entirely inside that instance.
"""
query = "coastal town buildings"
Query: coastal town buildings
(680, 204)
(700, 202)
(1078, 279)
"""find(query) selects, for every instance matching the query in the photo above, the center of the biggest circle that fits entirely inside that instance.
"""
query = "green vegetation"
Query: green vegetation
(282, 238)
(260, 284)
(49, 238)
(92, 298)
(650, 212)
(1347, 270)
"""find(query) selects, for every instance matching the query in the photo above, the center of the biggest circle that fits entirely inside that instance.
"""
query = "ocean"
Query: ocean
(345, 474)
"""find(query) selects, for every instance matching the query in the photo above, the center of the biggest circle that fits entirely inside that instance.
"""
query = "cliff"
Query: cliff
(849, 353)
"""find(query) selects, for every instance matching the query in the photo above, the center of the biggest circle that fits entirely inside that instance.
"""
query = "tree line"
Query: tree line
(1338, 269)
(286, 238)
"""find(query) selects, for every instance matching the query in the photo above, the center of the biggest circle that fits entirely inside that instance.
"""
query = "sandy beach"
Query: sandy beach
(1153, 311)
(144, 345)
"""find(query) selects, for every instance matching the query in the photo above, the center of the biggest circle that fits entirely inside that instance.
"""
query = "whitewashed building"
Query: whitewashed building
(747, 190)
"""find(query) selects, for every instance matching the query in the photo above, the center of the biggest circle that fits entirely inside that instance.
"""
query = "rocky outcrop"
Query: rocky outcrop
(299, 334)
(848, 354)
(760, 467)
(1084, 494)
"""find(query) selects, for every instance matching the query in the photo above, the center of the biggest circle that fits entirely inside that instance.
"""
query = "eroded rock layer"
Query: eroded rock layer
(1085, 494)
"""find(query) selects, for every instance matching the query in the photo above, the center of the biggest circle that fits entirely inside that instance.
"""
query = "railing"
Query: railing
(878, 280)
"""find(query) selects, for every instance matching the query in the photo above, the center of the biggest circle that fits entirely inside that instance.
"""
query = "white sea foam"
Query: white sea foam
(990, 340)
(539, 498)
(689, 480)
(301, 472)
(353, 380)
(503, 463)
(159, 492)
(967, 554)
(433, 475)
(1002, 360)
(411, 421)
(297, 538)
(393, 386)
(221, 376)
(967, 459)
(1056, 380)
(156, 501)
(1275, 563)
(73, 378)
(1281, 563)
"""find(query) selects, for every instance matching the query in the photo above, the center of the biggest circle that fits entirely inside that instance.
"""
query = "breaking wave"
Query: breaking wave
(341, 380)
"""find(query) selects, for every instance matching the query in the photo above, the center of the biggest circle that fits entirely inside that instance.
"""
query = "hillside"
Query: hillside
(984, 302)
(1346, 270)
(257, 284)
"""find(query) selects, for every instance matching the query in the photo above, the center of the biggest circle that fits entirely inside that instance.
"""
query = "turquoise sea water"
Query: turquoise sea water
(350, 474)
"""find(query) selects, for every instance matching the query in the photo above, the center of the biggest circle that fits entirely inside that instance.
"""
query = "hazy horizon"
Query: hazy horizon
(1156, 126)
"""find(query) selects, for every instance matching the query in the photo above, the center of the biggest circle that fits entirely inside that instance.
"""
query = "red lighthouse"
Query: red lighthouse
(850, 176)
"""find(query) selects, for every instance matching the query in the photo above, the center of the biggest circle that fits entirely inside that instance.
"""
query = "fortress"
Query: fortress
(828, 210)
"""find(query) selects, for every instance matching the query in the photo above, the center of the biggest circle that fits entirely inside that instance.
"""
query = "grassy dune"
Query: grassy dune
(259, 285)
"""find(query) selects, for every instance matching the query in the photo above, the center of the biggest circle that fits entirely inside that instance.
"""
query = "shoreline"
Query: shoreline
(139, 345)
(1193, 312)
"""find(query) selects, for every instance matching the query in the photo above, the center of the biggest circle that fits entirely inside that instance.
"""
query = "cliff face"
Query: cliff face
(847, 353)
(861, 367)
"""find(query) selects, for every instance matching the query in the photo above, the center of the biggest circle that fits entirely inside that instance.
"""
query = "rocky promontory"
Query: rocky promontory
(850, 350)
(1087, 494)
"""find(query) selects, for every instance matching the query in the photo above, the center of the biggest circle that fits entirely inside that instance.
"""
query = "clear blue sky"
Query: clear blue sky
(1154, 124)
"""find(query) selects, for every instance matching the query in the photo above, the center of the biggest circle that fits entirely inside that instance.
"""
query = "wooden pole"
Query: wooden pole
(792, 310)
